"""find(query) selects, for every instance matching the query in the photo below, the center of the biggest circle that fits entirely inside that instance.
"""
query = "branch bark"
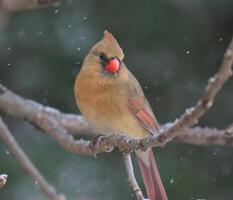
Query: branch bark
(26, 163)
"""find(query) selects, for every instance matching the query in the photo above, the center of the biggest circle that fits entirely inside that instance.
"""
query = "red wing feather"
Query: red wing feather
(143, 113)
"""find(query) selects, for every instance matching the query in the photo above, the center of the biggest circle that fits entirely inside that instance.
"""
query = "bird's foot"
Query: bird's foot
(95, 145)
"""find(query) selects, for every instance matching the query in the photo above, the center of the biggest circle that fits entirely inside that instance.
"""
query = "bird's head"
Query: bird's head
(105, 57)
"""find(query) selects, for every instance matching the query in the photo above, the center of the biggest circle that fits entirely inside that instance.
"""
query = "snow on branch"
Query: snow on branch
(3, 180)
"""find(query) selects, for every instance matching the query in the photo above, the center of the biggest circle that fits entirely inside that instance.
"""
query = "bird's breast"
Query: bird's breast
(107, 109)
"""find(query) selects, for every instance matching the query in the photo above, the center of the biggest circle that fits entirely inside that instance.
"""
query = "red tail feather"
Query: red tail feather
(151, 177)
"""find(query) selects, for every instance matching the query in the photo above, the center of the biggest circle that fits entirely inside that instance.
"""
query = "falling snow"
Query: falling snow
(209, 104)
(211, 80)
(172, 180)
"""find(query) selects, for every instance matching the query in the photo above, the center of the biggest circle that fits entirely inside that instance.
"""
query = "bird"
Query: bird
(112, 100)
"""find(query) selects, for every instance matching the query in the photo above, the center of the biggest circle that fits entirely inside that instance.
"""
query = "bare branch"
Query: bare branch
(3, 180)
(17, 106)
(51, 126)
(131, 178)
(205, 136)
(15, 5)
(53, 122)
(26, 163)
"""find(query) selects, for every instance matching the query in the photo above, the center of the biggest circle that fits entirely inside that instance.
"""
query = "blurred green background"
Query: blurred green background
(172, 46)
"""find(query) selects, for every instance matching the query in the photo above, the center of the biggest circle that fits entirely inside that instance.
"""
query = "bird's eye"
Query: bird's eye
(103, 57)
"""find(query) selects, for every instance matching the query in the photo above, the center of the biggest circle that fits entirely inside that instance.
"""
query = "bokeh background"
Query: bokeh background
(172, 46)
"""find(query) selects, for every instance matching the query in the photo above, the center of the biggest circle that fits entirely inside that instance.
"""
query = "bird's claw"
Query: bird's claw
(96, 144)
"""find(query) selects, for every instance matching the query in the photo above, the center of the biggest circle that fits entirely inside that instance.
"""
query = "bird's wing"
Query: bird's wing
(140, 108)
(143, 114)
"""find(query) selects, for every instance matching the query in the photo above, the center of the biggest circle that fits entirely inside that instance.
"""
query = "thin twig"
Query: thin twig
(26, 163)
(3, 180)
(131, 178)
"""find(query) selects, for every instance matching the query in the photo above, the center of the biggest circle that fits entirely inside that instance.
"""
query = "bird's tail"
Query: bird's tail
(153, 184)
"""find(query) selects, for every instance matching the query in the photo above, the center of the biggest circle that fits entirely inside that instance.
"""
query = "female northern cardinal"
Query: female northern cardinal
(111, 98)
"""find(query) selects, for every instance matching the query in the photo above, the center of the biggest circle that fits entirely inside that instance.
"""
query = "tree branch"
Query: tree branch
(26, 163)
(16, 5)
(205, 136)
(57, 124)
(131, 178)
